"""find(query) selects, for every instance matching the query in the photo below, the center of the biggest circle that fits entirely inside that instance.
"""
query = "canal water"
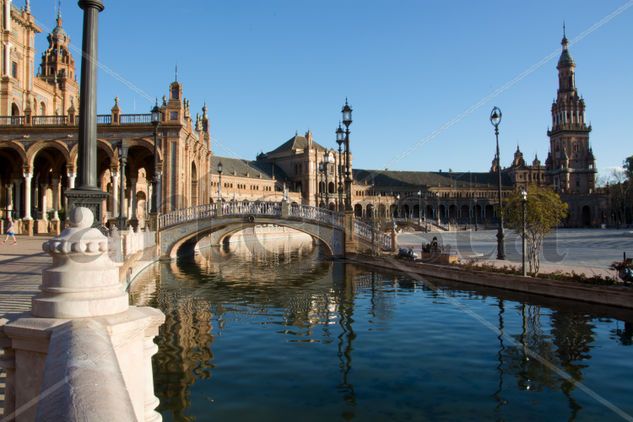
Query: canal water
(277, 332)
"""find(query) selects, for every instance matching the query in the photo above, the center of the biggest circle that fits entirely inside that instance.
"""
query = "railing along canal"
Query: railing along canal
(321, 215)
(366, 232)
(186, 214)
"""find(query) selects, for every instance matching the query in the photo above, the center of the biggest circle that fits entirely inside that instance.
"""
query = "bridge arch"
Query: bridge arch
(181, 239)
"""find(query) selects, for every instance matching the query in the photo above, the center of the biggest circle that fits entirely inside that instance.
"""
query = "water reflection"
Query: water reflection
(285, 334)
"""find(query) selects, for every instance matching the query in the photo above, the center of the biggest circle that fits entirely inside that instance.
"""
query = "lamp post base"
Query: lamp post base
(88, 198)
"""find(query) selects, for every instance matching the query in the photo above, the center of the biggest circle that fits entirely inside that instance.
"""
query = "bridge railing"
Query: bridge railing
(186, 214)
(272, 209)
(322, 215)
(368, 233)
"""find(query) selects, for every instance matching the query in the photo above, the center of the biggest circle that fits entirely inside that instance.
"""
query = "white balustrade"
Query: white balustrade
(123, 244)
(320, 215)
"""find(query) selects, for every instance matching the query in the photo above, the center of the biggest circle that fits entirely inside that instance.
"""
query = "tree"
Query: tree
(628, 168)
(544, 211)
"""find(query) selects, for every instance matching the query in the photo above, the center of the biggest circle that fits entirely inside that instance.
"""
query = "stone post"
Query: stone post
(81, 286)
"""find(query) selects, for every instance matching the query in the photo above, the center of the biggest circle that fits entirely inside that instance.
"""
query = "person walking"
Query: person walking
(10, 231)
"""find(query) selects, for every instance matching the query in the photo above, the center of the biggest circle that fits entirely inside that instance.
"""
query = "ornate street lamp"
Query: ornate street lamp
(156, 188)
(476, 228)
(220, 182)
(420, 208)
(347, 121)
(524, 206)
(122, 152)
(321, 183)
(495, 119)
(340, 138)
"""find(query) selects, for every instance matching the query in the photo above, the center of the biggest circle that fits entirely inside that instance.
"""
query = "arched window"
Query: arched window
(42, 109)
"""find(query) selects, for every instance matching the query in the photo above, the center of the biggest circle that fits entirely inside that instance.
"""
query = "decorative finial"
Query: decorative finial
(564, 30)
(176, 79)
(564, 42)
(27, 6)
(164, 101)
(59, 13)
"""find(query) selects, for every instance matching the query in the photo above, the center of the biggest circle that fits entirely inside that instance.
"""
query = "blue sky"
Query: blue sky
(409, 67)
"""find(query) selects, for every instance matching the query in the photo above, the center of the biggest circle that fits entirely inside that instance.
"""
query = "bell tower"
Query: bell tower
(57, 68)
(571, 167)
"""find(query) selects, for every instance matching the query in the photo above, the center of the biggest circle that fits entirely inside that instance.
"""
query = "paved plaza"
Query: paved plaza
(21, 268)
(564, 249)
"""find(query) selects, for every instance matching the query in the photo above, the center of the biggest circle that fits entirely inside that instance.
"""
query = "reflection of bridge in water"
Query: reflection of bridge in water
(200, 295)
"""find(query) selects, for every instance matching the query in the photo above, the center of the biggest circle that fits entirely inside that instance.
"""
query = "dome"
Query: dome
(565, 57)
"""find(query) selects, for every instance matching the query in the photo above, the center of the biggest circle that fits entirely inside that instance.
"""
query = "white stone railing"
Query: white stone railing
(123, 244)
(321, 215)
(367, 233)
(186, 214)
(272, 209)
(138, 241)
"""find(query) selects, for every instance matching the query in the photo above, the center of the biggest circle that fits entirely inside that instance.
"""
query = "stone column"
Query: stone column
(56, 200)
(28, 219)
(43, 204)
(56, 224)
(132, 204)
(71, 180)
(9, 193)
(115, 194)
(18, 197)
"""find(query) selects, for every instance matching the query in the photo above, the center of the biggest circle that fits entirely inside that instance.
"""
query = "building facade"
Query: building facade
(38, 138)
(38, 155)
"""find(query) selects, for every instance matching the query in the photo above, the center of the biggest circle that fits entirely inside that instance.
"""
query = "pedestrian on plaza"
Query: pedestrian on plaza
(10, 231)
(434, 245)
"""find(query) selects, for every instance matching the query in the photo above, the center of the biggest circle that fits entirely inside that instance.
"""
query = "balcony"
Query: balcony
(73, 120)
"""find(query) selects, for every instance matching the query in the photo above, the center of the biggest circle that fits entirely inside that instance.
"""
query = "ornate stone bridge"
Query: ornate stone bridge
(180, 231)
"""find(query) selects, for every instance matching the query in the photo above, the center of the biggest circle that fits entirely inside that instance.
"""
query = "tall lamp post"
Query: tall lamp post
(220, 182)
(347, 121)
(524, 218)
(340, 138)
(122, 150)
(495, 119)
(156, 188)
(420, 208)
(88, 194)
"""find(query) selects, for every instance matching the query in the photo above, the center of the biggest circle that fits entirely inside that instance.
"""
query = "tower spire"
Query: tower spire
(27, 6)
(59, 13)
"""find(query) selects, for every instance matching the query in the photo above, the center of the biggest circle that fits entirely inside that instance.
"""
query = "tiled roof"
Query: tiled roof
(294, 143)
(245, 168)
(416, 179)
